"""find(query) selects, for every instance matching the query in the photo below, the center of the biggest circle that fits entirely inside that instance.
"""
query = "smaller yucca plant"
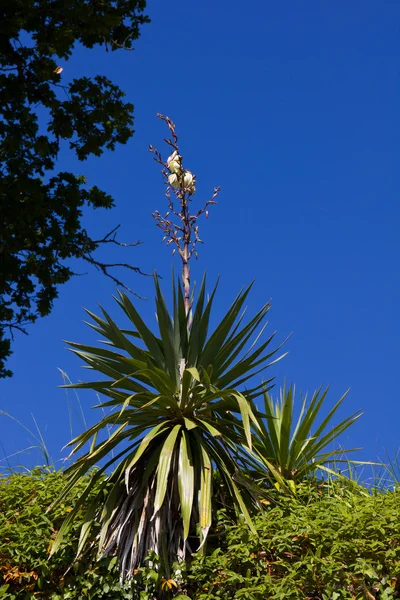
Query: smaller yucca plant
(287, 451)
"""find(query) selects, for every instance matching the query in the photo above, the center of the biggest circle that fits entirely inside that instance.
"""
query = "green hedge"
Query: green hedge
(26, 573)
(331, 542)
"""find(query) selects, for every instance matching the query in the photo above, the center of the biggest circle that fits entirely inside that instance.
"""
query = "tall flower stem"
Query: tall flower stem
(179, 225)
(185, 256)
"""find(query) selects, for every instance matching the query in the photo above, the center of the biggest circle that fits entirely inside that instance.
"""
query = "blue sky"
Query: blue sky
(293, 109)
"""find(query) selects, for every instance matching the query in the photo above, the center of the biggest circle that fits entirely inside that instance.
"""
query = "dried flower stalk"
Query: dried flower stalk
(179, 224)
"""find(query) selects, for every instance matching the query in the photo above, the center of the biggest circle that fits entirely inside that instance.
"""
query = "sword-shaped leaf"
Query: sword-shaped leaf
(185, 482)
(219, 336)
(194, 348)
(205, 491)
(163, 468)
(167, 335)
(144, 444)
(146, 334)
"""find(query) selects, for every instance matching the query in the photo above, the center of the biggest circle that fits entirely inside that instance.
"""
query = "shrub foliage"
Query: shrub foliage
(330, 542)
(26, 533)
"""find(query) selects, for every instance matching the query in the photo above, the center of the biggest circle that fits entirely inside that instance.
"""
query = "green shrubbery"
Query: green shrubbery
(26, 532)
(332, 541)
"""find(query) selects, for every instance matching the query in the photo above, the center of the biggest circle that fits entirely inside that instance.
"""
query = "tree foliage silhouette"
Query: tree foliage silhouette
(41, 207)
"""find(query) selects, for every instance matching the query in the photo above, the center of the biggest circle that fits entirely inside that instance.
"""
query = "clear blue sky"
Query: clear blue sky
(293, 109)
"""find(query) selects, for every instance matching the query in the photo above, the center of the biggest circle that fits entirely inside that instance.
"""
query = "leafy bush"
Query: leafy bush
(332, 544)
(26, 532)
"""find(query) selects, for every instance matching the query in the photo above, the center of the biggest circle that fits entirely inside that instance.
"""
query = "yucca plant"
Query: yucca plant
(179, 410)
(286, 450)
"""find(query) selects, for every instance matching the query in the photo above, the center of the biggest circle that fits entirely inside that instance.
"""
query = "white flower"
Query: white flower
(173, 180)
(174, 163)
(187, 179)
(172, 157)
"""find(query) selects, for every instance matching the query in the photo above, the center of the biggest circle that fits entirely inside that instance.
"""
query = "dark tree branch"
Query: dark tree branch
(103, 267)
(15, 325)
(111, 234)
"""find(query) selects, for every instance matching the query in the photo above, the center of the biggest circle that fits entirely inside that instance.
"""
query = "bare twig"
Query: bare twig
(103, 267)
(12, 326)
(124, 46)
(110, 238)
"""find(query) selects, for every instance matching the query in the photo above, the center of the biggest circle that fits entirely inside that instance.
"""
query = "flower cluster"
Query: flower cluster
(179, 178)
